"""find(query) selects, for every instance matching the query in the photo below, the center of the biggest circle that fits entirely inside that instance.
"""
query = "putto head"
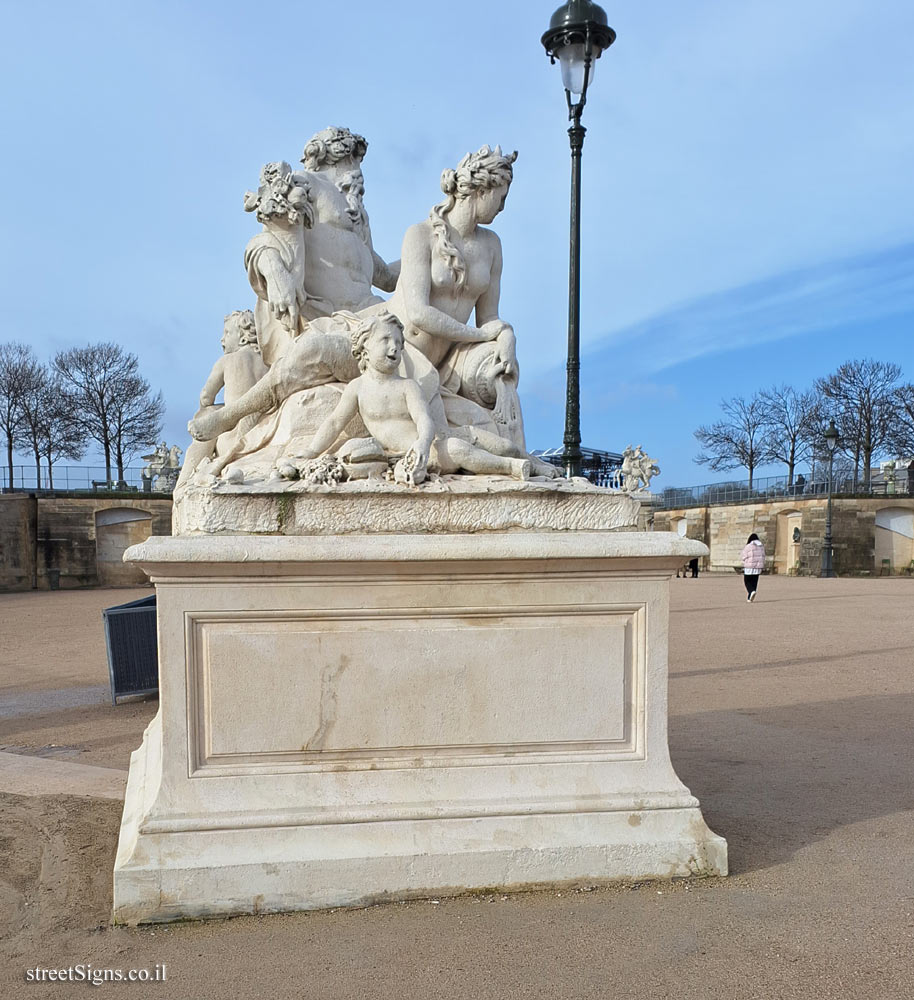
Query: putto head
(362, 334)
(281, 195)
(239, 330)
(331, 145)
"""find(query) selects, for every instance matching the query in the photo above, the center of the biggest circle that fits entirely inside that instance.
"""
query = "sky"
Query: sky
(748, 208)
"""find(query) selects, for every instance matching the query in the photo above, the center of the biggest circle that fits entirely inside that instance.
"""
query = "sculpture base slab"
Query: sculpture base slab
(350, 719)
(446, 505)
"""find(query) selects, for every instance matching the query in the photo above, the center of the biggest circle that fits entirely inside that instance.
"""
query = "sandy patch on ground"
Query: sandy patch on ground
(54, 638)
(55, 696)
(791, 720)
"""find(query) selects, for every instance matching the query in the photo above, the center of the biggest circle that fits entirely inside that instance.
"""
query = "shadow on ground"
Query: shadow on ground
(772, 781)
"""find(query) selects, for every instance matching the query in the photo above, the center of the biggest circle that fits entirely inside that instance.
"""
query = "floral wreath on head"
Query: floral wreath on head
(281, 194)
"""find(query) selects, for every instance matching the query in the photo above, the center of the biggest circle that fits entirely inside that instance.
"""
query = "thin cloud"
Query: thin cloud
(855, 290)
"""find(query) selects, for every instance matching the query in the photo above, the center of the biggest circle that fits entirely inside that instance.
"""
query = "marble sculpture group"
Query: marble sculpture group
(432, 372)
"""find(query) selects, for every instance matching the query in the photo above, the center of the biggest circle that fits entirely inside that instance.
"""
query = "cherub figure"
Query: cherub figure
(649, 469)
(239, 368)
(397, 417)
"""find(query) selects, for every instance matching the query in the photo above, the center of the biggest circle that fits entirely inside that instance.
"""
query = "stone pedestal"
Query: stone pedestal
(359, 717)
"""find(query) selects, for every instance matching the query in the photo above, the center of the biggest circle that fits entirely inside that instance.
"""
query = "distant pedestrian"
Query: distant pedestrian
(693, 566)
(753, 557)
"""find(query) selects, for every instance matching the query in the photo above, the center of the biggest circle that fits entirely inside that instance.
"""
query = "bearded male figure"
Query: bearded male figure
(337, 265)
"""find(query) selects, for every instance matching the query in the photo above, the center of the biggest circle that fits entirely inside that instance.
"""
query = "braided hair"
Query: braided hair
(478, 171)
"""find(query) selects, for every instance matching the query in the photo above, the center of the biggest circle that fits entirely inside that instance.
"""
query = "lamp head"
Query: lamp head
(831, 436)
(578, 33)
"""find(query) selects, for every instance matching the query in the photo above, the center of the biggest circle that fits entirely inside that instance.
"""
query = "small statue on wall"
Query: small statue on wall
(162, 468)
(637, 471)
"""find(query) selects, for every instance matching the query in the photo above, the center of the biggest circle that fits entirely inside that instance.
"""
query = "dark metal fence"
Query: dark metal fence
(68, 478)
(779, 488)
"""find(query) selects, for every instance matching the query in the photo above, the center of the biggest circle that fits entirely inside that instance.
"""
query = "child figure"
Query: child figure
(397, 416)
(239, 368)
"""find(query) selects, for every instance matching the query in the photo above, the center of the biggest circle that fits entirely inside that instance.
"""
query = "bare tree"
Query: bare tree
(136, 420)
(29, 434)
(901, 435)
(791, 424)
(738, 440)
(850, 427)
(102, 378)
(18, 367)
(49, 428)
(64, 436)
(861, 394)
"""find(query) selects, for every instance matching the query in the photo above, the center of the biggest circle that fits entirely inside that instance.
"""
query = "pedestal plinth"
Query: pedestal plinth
(353, 718)
(447, 505)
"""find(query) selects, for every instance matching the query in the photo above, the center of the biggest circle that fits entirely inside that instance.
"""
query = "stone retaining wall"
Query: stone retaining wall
(38, 534)
(43, 536)
(793, 533)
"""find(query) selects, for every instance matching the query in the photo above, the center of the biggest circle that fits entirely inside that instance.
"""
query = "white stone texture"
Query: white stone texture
(282, 430)
(446, 504)
(315, 254)
(354, 718)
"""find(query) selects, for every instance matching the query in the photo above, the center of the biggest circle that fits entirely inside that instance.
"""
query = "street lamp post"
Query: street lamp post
(578, 33)
(831, 443)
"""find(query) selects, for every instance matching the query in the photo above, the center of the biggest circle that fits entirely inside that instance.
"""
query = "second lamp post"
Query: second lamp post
(831, 443)
(578, 33)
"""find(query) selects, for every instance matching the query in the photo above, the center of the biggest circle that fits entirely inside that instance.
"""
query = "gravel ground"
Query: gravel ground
(790, 720)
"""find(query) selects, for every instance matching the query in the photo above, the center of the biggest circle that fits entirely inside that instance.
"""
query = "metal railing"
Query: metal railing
(779, 488)
(599, 467)
(77, 478)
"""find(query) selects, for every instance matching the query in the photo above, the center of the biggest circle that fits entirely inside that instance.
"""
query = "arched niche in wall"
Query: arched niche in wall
(788, 541)
(894, 537)
(116, 529)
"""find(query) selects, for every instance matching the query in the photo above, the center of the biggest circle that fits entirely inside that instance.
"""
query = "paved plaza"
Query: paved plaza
(790, 719)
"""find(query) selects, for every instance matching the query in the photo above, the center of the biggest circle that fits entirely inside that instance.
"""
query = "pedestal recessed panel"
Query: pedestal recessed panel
(291, 686)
